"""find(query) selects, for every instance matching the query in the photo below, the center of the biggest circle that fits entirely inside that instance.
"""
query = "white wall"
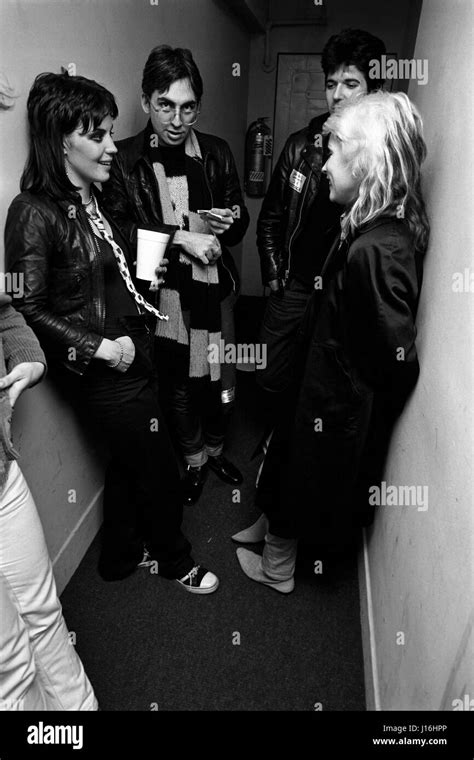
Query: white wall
(64, 470)
(109, 41)
(421, 562)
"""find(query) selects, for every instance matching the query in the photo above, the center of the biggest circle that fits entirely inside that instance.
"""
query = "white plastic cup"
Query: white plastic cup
(151, 248)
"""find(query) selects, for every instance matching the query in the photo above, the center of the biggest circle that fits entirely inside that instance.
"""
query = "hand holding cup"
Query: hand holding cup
(159, 279)
(151, 247)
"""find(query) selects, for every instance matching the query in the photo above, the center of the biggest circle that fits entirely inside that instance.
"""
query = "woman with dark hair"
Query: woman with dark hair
(96, 328)
(357, 355)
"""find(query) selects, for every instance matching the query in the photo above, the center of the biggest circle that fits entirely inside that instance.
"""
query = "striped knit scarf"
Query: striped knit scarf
(191, 299)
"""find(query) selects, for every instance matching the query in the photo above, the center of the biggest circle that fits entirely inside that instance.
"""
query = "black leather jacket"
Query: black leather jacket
(292, 189)
(51, 245)
(131, 194)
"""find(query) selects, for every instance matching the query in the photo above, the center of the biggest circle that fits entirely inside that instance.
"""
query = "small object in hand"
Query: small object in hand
(211, 214)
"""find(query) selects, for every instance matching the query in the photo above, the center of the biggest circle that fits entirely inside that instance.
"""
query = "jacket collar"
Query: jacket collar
(66, 204)
(315, 126)
(313, 150)
(377, 222)
(340, 246)
(137, 148)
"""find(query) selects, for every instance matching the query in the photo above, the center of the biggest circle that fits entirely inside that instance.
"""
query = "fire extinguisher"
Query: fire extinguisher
(258, 148)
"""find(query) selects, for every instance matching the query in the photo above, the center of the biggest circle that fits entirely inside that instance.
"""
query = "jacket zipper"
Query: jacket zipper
(296, 229)
(99, 258)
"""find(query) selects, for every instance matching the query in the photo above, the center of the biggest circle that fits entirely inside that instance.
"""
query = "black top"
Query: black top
(119, 302)
(312, 245)
(173, 158)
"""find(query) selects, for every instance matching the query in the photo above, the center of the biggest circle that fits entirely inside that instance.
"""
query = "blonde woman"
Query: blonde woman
(358, 359)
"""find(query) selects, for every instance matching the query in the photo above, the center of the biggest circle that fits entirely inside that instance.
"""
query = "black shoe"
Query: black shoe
(199, 581)
(147, 561)
(225, 470)
(192, 484)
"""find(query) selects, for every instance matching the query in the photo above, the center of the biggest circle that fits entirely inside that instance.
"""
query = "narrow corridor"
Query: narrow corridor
(147, 645)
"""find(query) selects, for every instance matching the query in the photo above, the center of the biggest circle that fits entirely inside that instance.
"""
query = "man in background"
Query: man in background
(297, 223)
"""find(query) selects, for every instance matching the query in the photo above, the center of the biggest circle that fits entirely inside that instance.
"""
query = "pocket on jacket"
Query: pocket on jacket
(330, 397)
(345, 370)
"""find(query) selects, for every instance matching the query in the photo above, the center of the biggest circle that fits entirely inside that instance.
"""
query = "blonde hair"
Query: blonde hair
(382, 139)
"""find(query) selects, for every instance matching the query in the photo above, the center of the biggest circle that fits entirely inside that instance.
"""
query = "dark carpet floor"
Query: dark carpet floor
(147, 644)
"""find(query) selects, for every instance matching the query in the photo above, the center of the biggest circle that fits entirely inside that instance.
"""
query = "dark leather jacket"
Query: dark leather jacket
(292, 189)
(131, 194)
(51, 245)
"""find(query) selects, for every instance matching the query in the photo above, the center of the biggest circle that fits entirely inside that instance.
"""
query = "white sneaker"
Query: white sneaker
(199, 581)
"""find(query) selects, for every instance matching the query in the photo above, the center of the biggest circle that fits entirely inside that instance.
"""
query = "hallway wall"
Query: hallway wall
(108, 40)
(395, 23)
(421, 562)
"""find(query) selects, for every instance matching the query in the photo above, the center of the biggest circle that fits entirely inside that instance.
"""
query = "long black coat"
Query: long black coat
(358, 363)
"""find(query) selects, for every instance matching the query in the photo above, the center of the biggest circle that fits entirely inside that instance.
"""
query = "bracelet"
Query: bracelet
(228, 396)
(113, 366)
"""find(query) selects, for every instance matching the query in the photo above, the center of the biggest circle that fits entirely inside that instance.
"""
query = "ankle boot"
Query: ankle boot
(276, 567)
(254, 534)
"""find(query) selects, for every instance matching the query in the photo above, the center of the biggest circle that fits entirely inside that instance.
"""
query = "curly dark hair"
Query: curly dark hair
(353, 47)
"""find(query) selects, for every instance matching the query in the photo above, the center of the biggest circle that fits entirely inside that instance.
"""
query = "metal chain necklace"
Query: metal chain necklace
(96, 220)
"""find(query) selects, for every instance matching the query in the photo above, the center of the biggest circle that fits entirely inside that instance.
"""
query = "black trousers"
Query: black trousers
(200, 430)
(280, 327)
(281, 323)
(142, 497)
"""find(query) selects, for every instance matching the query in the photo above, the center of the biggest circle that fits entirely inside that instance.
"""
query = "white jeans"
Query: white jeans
(39, 667)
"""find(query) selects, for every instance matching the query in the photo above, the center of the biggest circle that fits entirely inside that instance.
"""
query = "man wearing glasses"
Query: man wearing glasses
(182, 181)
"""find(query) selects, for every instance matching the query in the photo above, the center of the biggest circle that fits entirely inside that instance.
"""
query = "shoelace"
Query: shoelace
(192, 574)
(146, 558)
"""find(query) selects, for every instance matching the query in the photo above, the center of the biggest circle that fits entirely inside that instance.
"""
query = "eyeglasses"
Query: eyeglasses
(188, 114)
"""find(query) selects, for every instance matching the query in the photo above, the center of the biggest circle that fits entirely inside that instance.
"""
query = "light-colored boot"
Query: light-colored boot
(255, 533)
(276, 567)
